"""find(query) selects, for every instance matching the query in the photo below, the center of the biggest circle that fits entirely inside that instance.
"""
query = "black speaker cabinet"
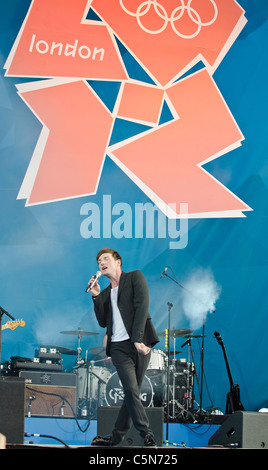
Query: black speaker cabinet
(243, 429)
(107, 416)
(12, 398)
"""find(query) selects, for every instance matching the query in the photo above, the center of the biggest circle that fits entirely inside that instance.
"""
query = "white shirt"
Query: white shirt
(119, 330)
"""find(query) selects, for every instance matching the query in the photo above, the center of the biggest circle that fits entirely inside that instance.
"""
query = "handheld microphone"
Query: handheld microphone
(96, 277)
(163, 273)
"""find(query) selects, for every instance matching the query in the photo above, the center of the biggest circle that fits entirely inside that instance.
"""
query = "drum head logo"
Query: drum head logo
(114, 391)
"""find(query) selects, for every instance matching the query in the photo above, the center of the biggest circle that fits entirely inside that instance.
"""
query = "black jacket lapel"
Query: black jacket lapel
(121, 284)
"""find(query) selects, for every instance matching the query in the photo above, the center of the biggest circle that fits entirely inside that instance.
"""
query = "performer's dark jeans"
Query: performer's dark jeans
(131, 367)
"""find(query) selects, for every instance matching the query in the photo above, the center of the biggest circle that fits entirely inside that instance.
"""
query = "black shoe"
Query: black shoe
(149, 440)
(102, 441)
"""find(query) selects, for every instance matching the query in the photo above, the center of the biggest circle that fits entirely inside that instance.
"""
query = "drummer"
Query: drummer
(122, 308)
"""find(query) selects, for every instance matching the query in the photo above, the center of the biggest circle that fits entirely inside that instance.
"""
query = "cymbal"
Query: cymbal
(173, 353)
(97, 350)
(69, 352)
(175, 333)
(180, 332)
(79, 332)
(193, 336)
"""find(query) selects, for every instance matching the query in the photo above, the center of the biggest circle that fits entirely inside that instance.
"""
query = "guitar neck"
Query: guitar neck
(228, 367)
(218, 338)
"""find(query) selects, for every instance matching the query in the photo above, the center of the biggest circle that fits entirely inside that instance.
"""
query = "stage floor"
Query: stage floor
(81, 433)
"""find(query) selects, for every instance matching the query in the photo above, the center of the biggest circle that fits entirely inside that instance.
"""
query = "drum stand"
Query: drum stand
(79, 360)
(188, 396)
(168, 370)
(174, 402)
(203, 333)
(87, 408)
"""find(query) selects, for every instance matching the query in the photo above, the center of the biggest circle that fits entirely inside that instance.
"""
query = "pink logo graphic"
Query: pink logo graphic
(169, 36)
(166, 37)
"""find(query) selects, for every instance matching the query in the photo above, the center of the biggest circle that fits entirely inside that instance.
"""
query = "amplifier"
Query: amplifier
(32, 365)
(50, 393)
(12, 393)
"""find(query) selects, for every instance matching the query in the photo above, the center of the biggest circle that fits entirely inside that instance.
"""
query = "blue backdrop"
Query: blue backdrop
(46, 261)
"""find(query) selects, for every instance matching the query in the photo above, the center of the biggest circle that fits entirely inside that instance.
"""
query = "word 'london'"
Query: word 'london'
(134, 224)
(43, 47)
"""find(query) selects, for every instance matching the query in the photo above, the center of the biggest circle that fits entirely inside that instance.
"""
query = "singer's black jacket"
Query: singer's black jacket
(133, 303)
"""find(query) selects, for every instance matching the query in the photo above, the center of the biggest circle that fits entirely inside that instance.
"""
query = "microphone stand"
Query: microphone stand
(2, 312)
(190, 354)
(203, 335)
(168, 371)
(202, 366)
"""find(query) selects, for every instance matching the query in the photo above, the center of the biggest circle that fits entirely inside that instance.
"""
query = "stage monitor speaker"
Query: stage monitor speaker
(107, 416)
(50, 393)
(243, 429)
(12, 399)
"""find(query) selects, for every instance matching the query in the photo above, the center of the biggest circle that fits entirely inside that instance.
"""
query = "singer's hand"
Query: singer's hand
(95, 290)
(141, 348)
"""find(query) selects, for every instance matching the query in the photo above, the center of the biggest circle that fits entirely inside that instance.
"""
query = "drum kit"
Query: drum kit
(168, 383)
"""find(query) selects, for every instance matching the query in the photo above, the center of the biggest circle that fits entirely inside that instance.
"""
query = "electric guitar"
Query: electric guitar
(13, 324)
(233, 397)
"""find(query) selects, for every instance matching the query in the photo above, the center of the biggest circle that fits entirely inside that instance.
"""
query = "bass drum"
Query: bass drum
(114, 394)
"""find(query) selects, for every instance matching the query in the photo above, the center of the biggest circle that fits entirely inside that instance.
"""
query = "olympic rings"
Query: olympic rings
(176, 15)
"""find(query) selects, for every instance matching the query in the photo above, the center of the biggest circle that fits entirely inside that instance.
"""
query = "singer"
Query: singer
(122, 308)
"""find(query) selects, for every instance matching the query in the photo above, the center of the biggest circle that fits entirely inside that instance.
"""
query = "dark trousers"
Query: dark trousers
(131, 367)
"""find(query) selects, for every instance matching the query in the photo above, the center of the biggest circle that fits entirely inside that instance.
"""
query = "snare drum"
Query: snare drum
(157, 362)
(97, 378)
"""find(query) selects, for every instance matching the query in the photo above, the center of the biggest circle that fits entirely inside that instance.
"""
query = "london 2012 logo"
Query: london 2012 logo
(144, 9)
(178, 44)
